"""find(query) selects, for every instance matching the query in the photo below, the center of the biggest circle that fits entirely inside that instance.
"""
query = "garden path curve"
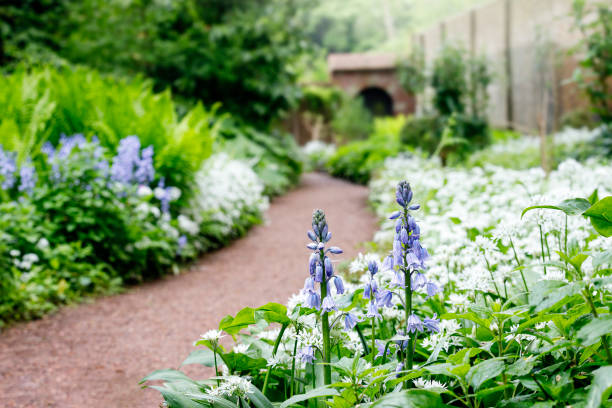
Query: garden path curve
(93, 355)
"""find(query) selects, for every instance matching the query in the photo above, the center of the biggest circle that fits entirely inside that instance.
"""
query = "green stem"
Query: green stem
(519, 265)
(274, 350)
(373, 339)
(408, 283)
(293, 362)
(604, 338)
(325, 327)
(363, 340)
(216, 370)
(492, 278)
(542, 246)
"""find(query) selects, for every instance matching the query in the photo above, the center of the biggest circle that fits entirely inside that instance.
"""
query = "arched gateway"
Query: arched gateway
(374, 78)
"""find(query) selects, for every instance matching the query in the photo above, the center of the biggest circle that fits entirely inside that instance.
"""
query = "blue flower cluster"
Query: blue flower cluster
(9, 173)
(409, 257)
(320, 267)
(130, 165)
(378, 297)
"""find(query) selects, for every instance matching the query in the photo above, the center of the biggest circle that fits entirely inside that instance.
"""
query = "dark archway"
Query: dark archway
(377, 101)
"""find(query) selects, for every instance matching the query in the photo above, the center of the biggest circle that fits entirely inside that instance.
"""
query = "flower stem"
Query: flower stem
(604, 338)
(325, 327)
(542, 246)
(363, 340)
(408, 289)
(216, 370)
(293, 361)
(373, 339)
(274, 350)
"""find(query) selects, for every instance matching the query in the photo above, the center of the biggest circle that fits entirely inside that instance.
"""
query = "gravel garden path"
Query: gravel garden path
(93, 355)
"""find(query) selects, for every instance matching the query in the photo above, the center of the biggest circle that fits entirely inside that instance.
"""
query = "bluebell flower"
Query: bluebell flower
(433, 324)
(327, 237)
(387, 263)
(414, 324)
(339, 285)
(373, 267)
(312, 263)
(181, 242)
(329, 269)
(313, 300)
(373, 310)
(8, 168)
(312, 236)
(431, 289)
(328, 304)
(350, 321)
(27, 178)
(335, 250)
(320, 246)
(380, 346)
(318, 274)
(145, 172)
(308, 285)
(398, 280)
(395, 215)
(313, 246)
(306, 354)
(370, 289)
(398, 369)
(418, 280)
(384, 299)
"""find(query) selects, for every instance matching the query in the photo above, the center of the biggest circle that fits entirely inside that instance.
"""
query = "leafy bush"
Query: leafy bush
(274, 156)
(357, 161)
(42, 103)
(352, 121)
(422, 132)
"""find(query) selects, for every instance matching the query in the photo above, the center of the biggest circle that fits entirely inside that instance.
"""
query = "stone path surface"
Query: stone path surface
(93, 355)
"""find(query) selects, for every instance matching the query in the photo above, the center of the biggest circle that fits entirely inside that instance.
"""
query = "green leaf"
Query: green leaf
(521, 367)
(591, 332)
(166, 375)
(572, 206)
(258, 399)
(204, 356)
(484, 371)
(600, 214)
(601, 387)
(275, 313)
(408, 399)
(175, 399)
(232, 325)
(602, 258)
(314, 393)
(242, 362)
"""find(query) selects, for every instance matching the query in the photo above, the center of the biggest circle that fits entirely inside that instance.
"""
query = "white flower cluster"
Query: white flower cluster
(228, 189)
(318, 153)
(232, 385)
(466, 212)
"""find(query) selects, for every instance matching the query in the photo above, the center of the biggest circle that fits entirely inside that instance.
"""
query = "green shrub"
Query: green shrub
(423, 133)
(352, 121)
(358, 160)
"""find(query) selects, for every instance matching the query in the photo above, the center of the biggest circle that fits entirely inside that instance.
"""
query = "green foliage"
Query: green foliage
(42, 103)
(411, 72)
(274, 156)
(357, 160)
(448, 79)
(239, 53)
(423, 132)
(352, 121)
(595, 23)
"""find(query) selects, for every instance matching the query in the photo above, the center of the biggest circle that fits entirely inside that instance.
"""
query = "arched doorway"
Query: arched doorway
(377, 101)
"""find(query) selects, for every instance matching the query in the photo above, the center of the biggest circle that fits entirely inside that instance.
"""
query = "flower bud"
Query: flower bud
(335, 250)
(329, 269)
(339, 285)
(312, 236)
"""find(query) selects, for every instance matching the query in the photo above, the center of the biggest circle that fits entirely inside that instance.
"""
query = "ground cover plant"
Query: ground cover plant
(508, 306)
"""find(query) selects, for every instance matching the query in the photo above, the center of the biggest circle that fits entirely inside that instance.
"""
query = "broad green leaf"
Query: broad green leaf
(591, 332)
(601, 387)
(483, 393)
(314, 393)
(521, 367)
(600, 214)
(484, 371)
(572, 206)
(275, 313)
(176, 399)
(408, 399)
(244, 318)
(258, 399)
(242, 362)
(463, 356)
(166, 375)
(203, 356)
